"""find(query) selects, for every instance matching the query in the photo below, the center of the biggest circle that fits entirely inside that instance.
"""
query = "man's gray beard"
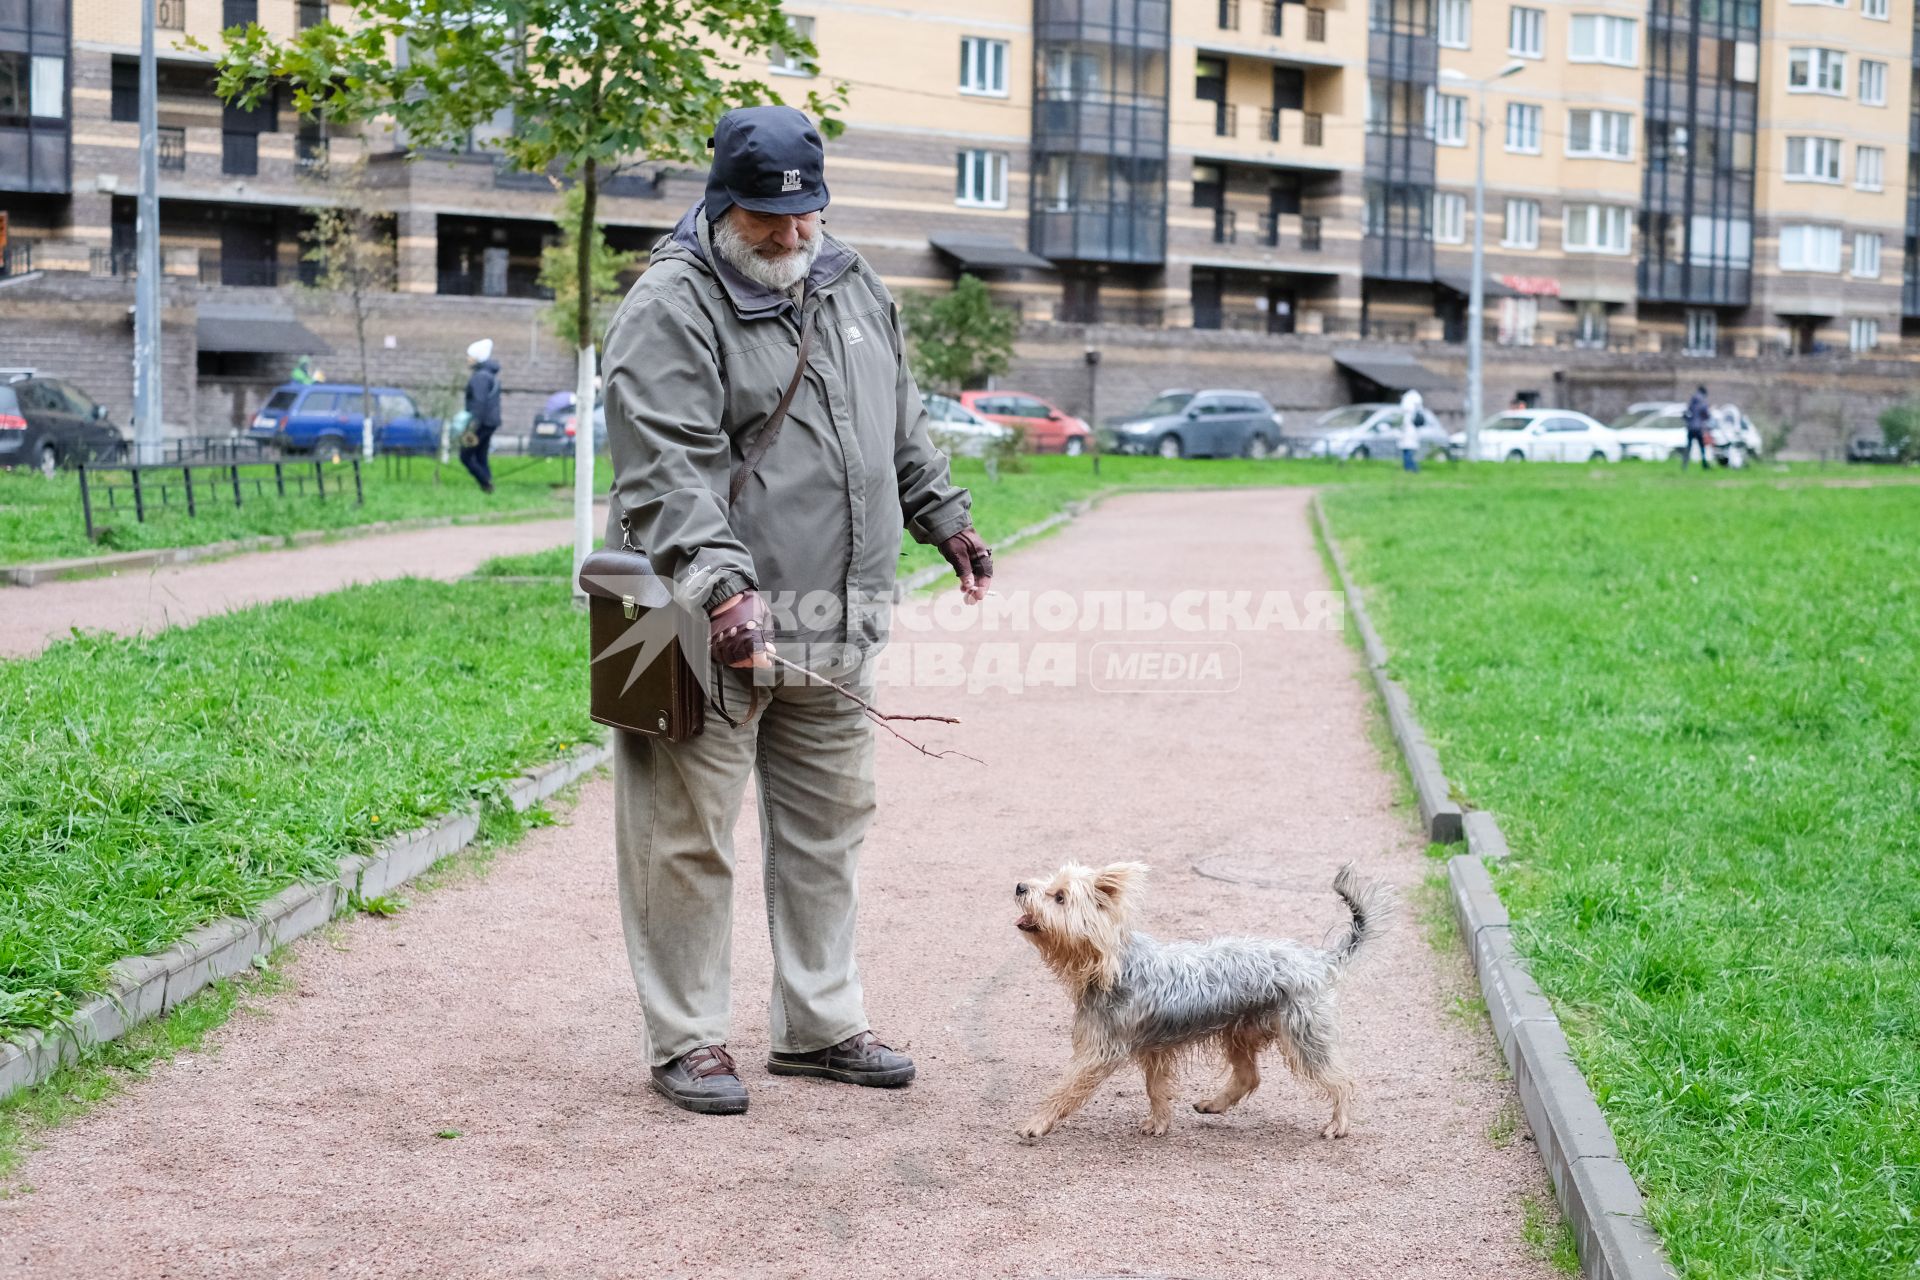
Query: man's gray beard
(778, 274)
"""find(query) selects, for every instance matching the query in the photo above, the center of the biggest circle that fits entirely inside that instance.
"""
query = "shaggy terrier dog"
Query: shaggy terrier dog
(1153, 1002)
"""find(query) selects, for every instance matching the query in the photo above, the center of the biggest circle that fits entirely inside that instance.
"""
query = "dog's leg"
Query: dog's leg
(1084, 1075)
(1310, 1041)
(1243, 1061)
(1158, 1068)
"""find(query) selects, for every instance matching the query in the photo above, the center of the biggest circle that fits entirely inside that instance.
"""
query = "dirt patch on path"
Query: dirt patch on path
(31, 618)
(305, 1145)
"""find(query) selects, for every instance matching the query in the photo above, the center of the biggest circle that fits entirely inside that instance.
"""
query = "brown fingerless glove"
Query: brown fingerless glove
(737, 633)
(972, 562)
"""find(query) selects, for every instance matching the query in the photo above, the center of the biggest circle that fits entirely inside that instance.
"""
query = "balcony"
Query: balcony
(1089, 122)
(1229, 15)
(1224, 224)
(515, 282)
(1226, 120)
(1283, 125)
(1306, 231)
(1695, 284)
(173, 150)
(1106, 313)
(1100, 231)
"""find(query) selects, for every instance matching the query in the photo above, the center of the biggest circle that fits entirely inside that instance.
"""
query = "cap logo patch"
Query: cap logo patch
(790, 180)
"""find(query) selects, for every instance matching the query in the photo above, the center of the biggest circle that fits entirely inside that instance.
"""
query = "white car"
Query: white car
(1542, 435)
(959, 430)
(1656, 431)
(1364, 431)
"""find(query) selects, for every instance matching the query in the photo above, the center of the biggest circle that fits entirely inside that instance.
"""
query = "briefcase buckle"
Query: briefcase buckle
(629, 609)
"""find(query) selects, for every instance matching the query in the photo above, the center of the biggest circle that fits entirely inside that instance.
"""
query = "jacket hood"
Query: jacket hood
(490, 365)
(692, 239)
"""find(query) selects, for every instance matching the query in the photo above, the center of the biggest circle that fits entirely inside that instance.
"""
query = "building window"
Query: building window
(1590, 323)
(1450, 121)
(1522, 225)
(47, 88)
(788, 62)
(1869, 168)
(1874, 9)
(1518, 319)
(238, 13)
(1596, 228)
(1817, 71)
(310, 146)
(1595, 37)
(1523, 128)
(1721, 242)
(980, 179)
(1804, 247)
(1703, 332)
(1456, 23)
(1527, 32)
(1866, 255)
(124, 101)
(1863, 334)
(1813, 159)
(1873, 83)
(1605, 134)
(309, 13)
(1449, 217)
(983, 66)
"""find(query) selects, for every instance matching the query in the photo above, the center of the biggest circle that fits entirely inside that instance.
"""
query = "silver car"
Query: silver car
(1362, 431)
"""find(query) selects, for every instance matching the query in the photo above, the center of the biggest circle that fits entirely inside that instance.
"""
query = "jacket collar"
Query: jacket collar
(693, 237)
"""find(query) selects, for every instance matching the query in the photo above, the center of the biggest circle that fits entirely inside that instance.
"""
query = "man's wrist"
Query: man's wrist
(726, 585)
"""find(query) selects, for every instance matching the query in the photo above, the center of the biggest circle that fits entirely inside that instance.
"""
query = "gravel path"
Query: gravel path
(304, 1143)
(147, 600)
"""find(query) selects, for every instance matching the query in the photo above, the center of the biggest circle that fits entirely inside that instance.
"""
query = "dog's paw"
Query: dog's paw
(1154, 1128)
(1209, 1107)
(1038, 1127)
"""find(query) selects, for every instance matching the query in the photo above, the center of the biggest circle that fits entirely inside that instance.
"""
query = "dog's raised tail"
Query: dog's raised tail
(1372, 903)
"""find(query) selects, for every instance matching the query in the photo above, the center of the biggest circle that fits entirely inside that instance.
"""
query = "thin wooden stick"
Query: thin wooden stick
(878, 716)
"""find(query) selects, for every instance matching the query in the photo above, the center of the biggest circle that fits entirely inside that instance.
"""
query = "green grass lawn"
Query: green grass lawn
(1695, 707)
(40, 519)
(158, 783)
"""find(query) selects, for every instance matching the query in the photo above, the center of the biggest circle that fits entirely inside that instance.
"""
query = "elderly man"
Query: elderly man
(788, 535)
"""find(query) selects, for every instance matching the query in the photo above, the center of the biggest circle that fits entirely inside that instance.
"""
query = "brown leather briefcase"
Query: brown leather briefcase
(663, 698)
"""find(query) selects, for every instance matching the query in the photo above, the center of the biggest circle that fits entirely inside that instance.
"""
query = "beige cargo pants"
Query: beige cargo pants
(675, 803)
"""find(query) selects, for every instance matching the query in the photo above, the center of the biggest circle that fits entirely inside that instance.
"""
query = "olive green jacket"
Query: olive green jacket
(696, 358)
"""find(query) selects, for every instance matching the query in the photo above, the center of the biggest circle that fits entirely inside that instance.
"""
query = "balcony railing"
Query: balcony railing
(1273, 231)
(519, 282)
(1313, 129)
(17, 258)
(170, 15)
(1229, 15)
(1226, 119)
(1272, 18)
(110, 262)
(1225, 222)
(1317, 25)
(173, 149)
(1273, 127)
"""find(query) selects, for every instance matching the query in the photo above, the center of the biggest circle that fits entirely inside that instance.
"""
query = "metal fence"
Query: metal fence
(172, 485)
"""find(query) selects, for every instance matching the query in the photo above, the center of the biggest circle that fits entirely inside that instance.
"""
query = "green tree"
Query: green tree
(593, 87)
(959, 339)
(353, 252)
(1900, 428)
(560, 272)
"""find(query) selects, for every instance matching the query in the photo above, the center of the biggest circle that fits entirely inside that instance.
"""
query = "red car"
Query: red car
(1047, 428)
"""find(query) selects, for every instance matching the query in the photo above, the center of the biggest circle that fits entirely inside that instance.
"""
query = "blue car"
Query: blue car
(323, 418)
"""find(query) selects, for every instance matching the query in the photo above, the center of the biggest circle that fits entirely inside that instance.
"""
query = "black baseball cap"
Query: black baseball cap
(767, 159)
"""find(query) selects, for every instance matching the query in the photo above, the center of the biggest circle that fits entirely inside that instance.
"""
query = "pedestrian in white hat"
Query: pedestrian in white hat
(483, 412)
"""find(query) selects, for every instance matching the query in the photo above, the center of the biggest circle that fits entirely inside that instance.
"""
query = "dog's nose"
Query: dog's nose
(1020, 891)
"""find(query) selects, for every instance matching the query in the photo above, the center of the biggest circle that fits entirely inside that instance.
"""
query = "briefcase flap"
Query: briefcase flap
(623, 577)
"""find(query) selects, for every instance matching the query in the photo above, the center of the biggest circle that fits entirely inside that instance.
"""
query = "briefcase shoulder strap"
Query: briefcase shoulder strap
(764, 440)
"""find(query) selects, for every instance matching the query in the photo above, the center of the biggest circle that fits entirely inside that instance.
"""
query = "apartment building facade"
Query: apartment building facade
(1730, 177)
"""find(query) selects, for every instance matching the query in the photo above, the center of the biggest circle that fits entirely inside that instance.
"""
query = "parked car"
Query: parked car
(47, 422)
(1362, 431)
(323, 418)
(1542, 435)
(1198, 424)
(1871, 452)
(1048, 428)
(959, 430)
(556, 426)
(1656, 430)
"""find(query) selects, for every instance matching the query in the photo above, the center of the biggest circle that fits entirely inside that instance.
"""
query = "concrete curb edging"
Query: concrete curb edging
(32, 575)
(144, 987)
(1595, 1189)
(1444, 822)
(933, 573)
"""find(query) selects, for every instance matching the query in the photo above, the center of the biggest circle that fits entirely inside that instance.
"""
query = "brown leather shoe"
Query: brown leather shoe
(704, 1081)
(859, 1059)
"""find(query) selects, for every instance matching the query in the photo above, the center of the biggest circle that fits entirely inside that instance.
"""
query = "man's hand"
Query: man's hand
(737, 631)
(971, 562)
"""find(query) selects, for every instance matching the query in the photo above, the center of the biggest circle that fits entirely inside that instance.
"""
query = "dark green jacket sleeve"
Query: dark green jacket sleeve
(671, 457)
(935, 508)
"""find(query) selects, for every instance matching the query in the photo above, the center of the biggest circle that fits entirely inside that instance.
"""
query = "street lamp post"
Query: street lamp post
(1476, 284)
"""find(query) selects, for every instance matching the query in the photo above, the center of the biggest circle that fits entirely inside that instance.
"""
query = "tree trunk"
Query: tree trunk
(583, 386)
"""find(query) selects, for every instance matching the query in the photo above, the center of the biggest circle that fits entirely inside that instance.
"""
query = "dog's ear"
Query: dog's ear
(1117, 882)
